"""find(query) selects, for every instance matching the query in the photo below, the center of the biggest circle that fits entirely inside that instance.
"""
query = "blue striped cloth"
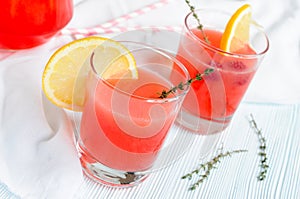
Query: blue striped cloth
(236, 176)
(5, 193)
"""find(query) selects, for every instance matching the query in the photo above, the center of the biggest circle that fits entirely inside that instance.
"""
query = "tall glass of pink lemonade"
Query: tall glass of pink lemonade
(28, 23)
(124, 122)
(211, 104)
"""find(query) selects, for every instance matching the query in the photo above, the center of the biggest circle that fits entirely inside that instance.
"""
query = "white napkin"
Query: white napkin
(37, 156)
(277, 79)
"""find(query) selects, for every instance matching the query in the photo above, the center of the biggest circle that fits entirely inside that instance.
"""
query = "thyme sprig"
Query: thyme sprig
(200, 26)
(204, 170)
(262, 150)
(182, 86)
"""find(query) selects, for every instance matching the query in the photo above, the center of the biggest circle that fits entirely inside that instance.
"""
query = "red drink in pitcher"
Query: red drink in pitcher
(28, 23)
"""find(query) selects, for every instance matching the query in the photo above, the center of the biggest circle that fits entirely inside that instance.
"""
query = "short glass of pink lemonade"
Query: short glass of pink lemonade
(211, 104)
(29, 23)
(124, 122)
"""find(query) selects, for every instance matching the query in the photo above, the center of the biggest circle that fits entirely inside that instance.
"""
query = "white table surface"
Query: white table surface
(38, 160)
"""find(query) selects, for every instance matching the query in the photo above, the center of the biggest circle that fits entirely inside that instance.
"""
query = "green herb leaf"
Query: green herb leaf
(262, 150)
(182, 86)
(205, 169)
(200, 26)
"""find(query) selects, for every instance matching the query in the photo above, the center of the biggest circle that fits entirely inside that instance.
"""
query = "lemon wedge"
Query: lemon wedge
(66, 67)
(237, 31)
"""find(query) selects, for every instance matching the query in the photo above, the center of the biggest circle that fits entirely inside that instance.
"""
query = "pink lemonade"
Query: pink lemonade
(28, 23)
(219, 95)
(124, 123)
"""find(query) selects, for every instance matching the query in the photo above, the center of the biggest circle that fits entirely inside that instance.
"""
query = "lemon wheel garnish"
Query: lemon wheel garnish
(66, 70)
(237, 30)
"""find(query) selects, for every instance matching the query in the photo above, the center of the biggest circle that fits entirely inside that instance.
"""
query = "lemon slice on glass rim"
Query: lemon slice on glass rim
(237, 31)
(66, 68)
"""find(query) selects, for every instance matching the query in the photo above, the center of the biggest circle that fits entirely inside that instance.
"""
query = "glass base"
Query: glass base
(201, 125)
(108, 176)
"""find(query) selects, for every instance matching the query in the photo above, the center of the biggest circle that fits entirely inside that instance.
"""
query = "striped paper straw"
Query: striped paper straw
(110, 26)
(86, 32)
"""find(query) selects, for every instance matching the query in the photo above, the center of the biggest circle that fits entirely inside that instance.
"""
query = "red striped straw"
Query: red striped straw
(124, 29)
(111, 26)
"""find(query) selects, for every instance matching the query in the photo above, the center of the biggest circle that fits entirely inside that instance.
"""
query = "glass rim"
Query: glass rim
(176, 96)
(246, 56)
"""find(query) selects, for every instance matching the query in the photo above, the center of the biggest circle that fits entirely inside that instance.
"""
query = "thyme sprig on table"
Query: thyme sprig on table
(182, 86)
(204, 170)
(200, 26)
(262, 150)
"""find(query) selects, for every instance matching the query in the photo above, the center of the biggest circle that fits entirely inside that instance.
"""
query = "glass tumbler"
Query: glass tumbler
(211, 103)
(124, 123)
